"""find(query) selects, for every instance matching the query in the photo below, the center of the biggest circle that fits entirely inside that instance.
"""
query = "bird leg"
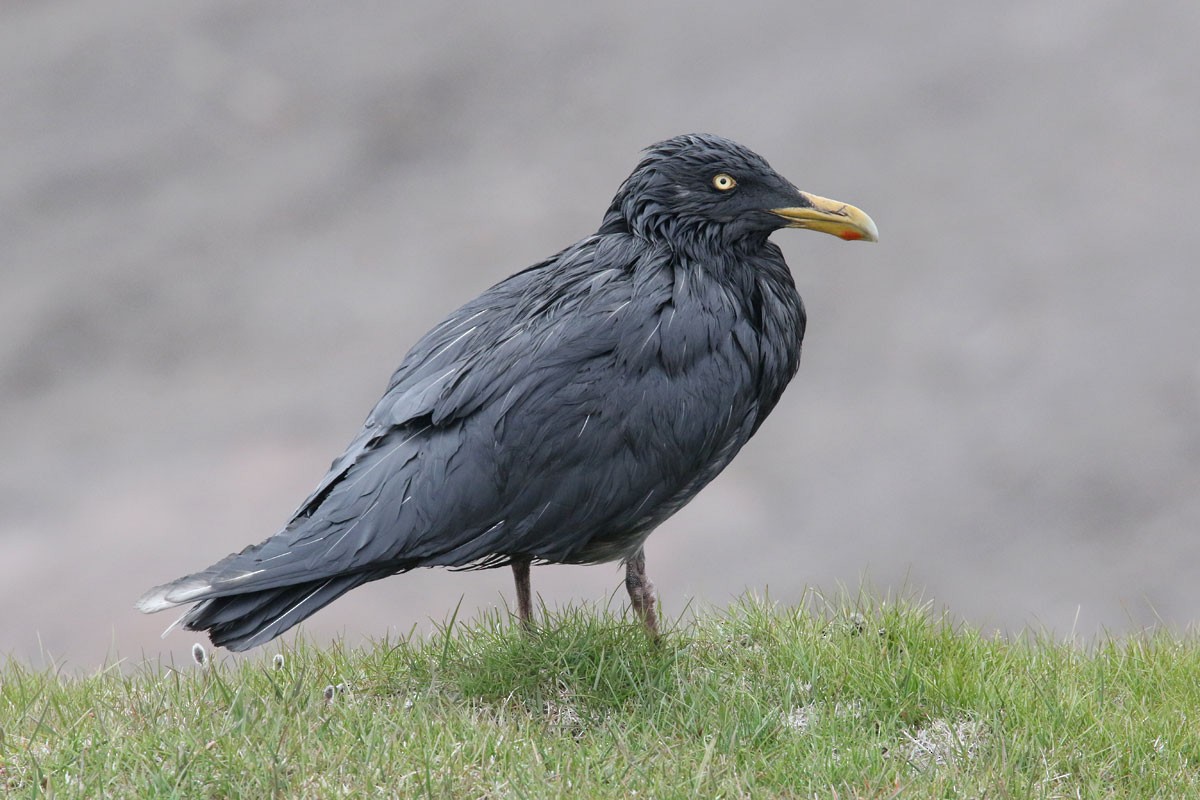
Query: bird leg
(520, 568)
(641, 592)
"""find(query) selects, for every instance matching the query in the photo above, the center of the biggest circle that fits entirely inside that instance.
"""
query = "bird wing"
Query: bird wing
(439, 474)
(476, 353)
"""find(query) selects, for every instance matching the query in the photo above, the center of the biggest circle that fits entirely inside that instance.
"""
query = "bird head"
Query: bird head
(700, 187)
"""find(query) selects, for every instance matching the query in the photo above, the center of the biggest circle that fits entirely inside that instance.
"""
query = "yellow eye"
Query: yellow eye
(722, 182)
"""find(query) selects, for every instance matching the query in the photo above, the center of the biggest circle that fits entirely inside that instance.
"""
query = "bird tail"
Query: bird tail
(242, 621)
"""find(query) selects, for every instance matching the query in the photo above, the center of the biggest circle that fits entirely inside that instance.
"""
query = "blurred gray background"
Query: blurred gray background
(222, 225)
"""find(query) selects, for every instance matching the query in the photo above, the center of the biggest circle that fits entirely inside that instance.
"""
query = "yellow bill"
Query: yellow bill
(830, 216)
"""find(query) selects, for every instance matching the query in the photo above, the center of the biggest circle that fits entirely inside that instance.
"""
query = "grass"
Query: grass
(835, 699)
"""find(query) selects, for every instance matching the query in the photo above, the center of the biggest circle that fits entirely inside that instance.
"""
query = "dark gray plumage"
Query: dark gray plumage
(565, 412)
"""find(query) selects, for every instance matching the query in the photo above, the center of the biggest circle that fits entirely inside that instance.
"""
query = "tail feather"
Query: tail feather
(172, 594)
(242, 621)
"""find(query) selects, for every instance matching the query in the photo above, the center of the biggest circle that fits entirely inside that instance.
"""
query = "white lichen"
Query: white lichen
(942, 741)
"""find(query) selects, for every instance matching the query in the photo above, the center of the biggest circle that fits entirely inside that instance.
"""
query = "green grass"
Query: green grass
(835, 699)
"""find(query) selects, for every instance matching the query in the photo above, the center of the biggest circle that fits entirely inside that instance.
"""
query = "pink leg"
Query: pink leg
(520, 568)
(641, 592)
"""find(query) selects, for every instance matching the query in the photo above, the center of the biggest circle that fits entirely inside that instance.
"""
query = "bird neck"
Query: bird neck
(695, 240)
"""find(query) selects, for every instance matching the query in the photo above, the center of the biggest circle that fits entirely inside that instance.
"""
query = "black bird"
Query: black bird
(564, 413)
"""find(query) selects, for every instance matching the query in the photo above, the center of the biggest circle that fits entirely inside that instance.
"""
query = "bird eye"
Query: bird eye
(722, 182)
